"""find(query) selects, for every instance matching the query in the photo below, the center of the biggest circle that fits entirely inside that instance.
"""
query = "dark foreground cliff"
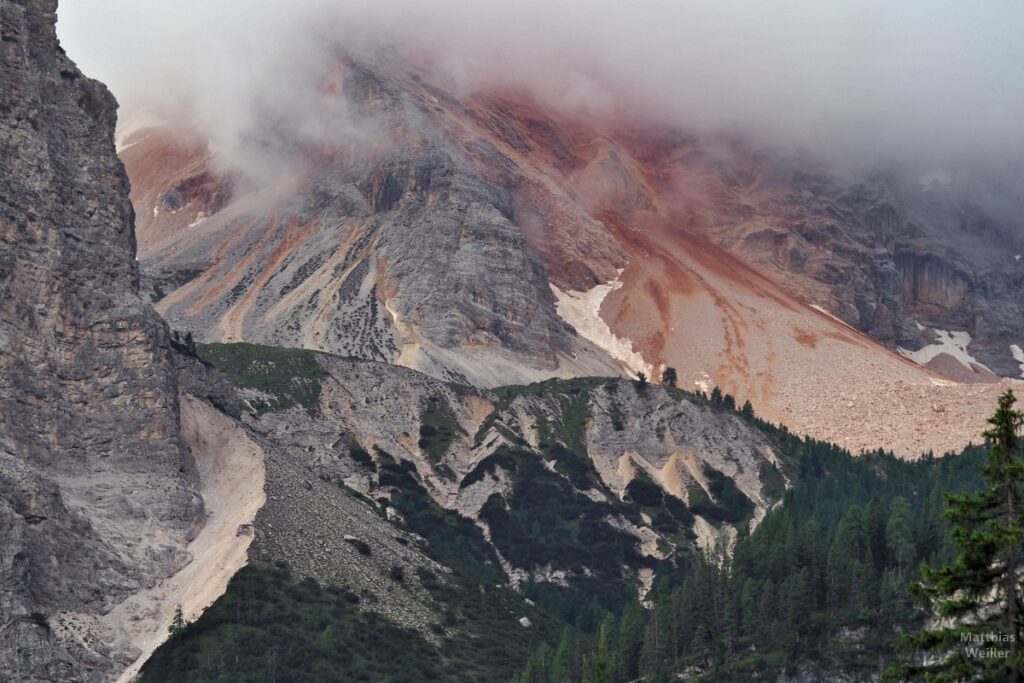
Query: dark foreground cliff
(98, 491)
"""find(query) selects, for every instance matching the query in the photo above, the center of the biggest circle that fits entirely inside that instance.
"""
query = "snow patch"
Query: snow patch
(1018, 355)
(582, 310)
(200, 218)
(952, 343)
(704, 383)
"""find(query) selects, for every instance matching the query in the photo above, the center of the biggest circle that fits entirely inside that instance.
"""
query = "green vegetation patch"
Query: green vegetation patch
(544, 522)
(290, 377)
(361, 456)
(669, 515)
(438, 429)
(270, 626)
(452, 539)
(568, 390)
(820, 586)
(773, 484)
(725, 504)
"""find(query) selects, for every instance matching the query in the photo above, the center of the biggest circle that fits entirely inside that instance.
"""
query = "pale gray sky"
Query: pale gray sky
(906, 77)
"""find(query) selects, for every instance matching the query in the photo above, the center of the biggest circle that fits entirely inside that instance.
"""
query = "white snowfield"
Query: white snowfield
(951, 343)
(582, 310)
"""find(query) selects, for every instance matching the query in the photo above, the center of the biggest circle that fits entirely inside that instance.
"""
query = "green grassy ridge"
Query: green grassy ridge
(571, 389)
(291, 377)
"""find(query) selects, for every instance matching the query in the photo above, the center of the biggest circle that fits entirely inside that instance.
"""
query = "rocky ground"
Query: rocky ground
(450, 434)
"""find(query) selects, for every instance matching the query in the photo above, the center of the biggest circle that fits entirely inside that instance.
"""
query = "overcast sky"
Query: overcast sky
(916, 78)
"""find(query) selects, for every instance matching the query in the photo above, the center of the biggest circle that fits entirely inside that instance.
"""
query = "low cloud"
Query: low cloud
(932, 82)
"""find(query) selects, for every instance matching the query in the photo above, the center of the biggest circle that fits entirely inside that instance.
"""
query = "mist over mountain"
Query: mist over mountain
(933, 84)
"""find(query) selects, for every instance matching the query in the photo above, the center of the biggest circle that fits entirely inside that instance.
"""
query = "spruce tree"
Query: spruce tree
(178, 623)
(566, 665)
(976, 598)
(899, 534)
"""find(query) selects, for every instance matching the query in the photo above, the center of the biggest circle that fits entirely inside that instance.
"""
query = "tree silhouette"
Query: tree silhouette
(977, 597)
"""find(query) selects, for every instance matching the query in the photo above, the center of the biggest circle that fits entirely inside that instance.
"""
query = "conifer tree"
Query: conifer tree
(563, 668)
(669, 377)
(178, 623)
(597, 668)
(899, 534)
(977, 597)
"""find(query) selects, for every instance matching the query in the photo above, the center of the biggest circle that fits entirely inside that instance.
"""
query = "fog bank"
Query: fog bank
(929, 81)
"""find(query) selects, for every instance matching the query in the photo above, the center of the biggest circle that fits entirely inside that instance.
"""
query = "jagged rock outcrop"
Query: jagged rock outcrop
(98, 492)
(611, 446)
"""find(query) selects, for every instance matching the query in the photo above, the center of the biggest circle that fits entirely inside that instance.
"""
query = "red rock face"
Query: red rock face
(718, 252)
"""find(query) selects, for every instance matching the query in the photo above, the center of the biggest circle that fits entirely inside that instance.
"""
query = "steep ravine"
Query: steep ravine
(231, 471)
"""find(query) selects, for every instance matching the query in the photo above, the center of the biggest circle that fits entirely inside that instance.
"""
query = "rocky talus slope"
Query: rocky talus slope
(490, 238)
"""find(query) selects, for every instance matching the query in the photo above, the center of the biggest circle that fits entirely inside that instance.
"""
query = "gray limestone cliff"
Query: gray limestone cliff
(98, 491)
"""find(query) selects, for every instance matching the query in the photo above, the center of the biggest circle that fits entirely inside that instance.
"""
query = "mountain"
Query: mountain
(352, 422)
(546, 509)
(492, 239)
(408, 424)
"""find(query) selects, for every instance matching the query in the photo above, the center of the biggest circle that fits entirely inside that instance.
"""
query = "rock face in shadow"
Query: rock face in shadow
(98, 492)
(889, 254)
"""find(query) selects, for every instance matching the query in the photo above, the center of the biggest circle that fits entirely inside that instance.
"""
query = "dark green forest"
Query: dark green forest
(821, 585)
